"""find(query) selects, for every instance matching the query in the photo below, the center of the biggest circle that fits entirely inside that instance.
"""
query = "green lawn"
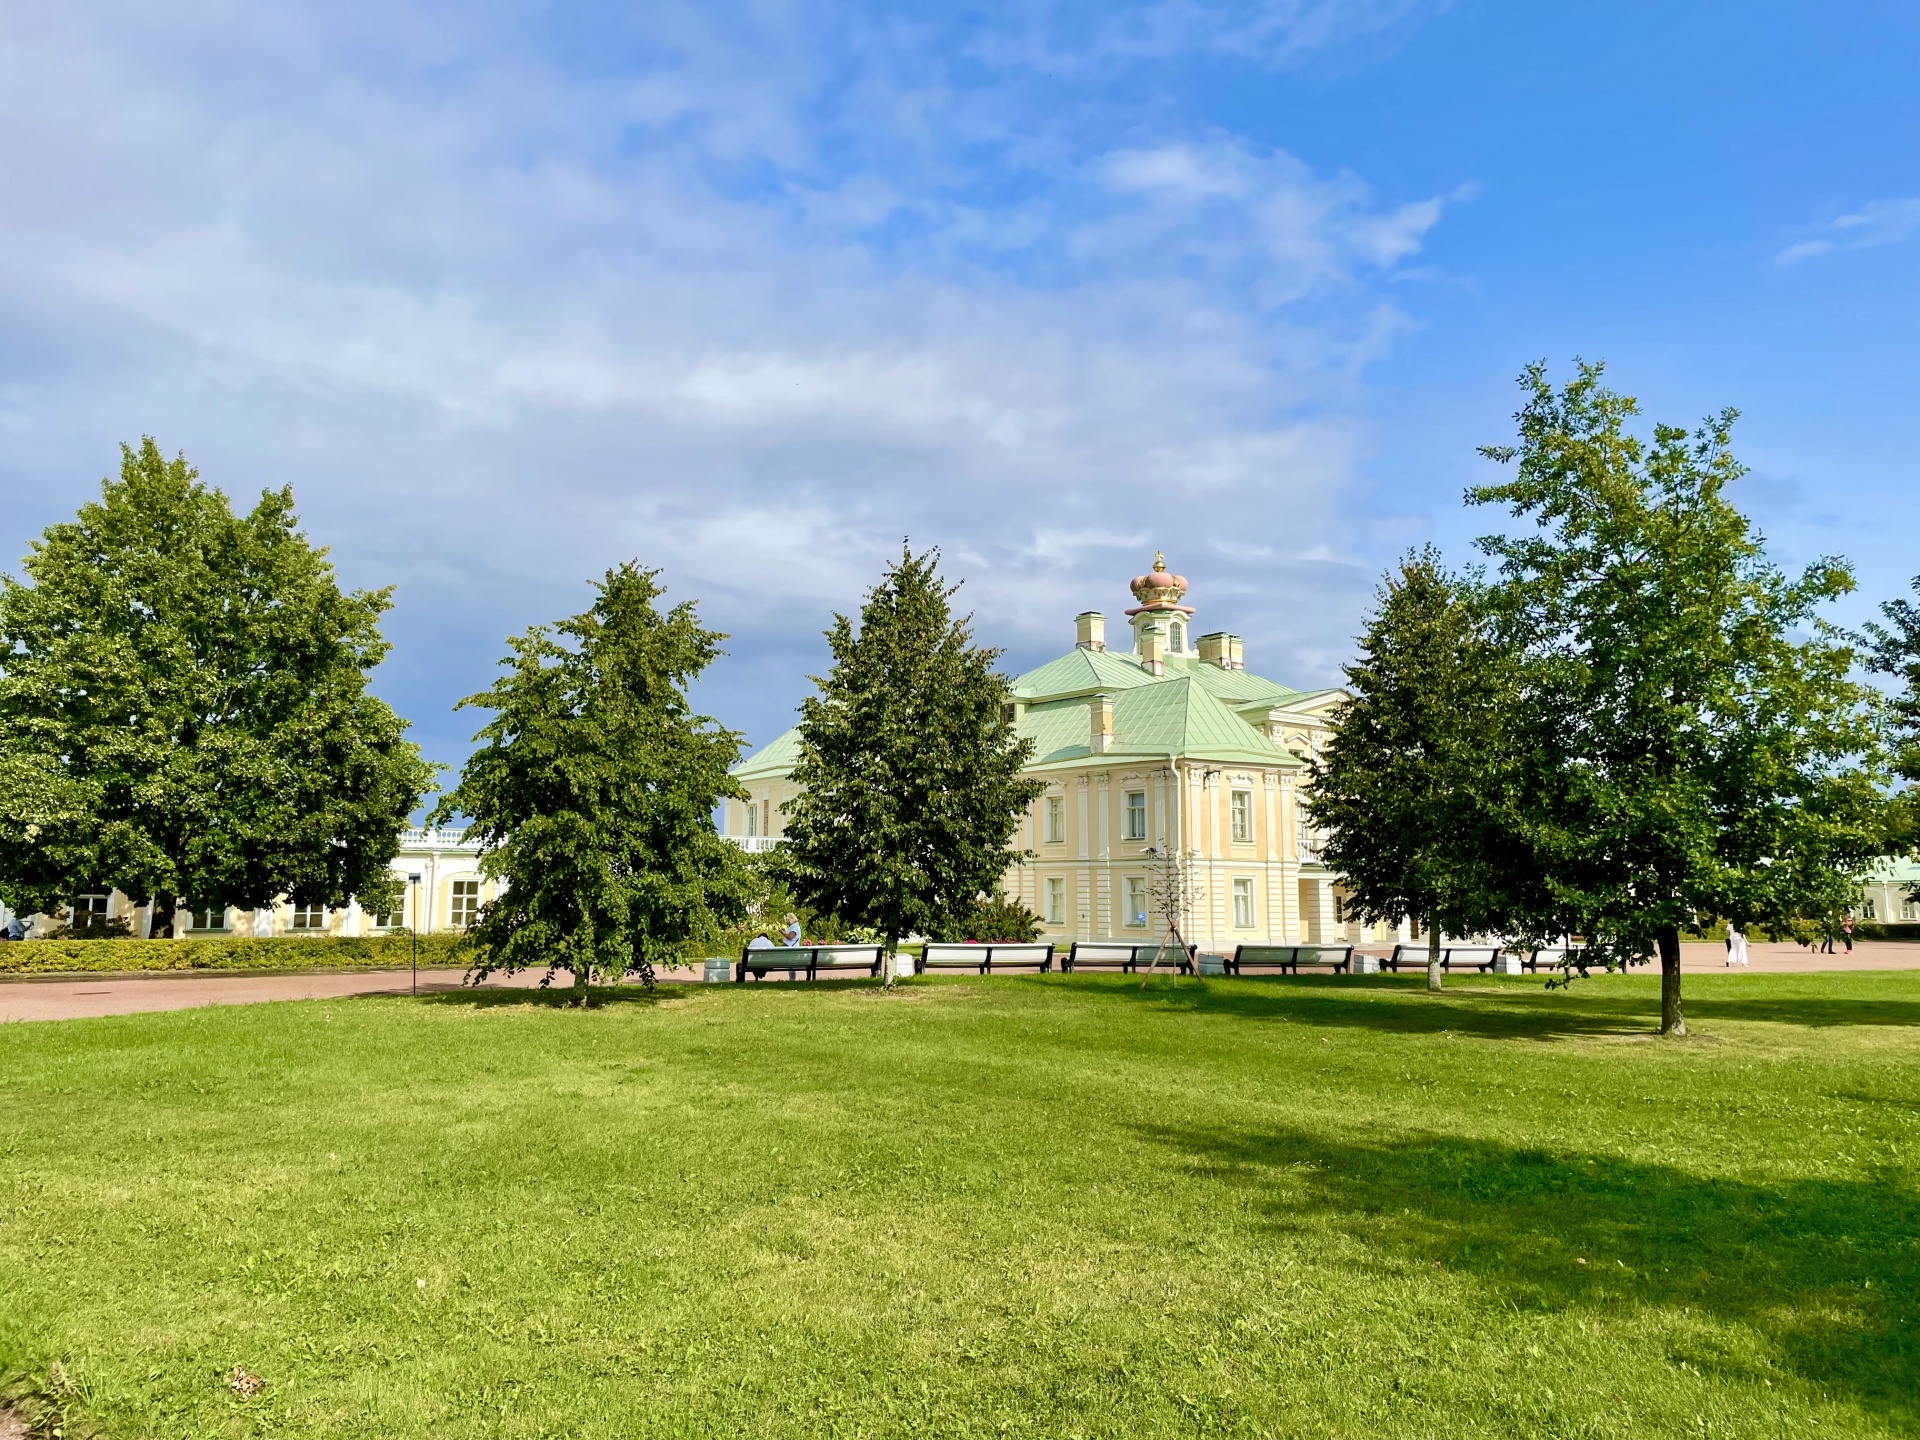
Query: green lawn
(1051, 1207)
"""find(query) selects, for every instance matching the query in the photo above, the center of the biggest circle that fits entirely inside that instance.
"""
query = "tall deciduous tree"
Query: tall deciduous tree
(1414, 786)
(593, 793)
(184, 710)
(1894, 649)
(1699, 749)
(910, 767)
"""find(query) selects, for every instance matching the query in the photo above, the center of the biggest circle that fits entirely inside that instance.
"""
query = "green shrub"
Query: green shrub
(229, 952)
(1882, 930)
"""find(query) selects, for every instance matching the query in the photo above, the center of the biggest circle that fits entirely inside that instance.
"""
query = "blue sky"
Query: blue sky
(511, 293)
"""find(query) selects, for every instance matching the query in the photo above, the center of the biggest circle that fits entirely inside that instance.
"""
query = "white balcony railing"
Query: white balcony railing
(753, 844)
(413, 837)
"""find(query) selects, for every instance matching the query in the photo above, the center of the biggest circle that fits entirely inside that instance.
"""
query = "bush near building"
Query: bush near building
(228, 952)
(1879, 930)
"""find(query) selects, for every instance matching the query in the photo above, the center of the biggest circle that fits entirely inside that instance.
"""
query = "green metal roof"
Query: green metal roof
(774, 759)
(1189, 712)
(1236, 687)
(1079, 671)
(1171, 716)
(1902, 870)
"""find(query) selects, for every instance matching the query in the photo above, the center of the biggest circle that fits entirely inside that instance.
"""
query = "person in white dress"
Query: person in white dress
(1736, 946)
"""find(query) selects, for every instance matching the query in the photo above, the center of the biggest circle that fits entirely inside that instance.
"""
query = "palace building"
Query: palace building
(441, 889)
(1169, 746)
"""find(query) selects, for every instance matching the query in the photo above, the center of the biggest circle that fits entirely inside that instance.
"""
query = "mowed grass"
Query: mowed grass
(1049, 1206)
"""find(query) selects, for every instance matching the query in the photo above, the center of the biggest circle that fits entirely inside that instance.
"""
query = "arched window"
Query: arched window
(1179, 638)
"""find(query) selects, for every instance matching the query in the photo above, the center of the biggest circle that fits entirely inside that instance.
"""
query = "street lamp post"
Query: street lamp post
(413, 879)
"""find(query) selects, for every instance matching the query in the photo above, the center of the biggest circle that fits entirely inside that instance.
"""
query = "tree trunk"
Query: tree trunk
(163, 909)
(1672, 1020)
(1434, 972)
(887, 961)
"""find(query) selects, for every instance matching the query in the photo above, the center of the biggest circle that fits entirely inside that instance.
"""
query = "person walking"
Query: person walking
(1846, 930)
(791, 934)
(1736, 945)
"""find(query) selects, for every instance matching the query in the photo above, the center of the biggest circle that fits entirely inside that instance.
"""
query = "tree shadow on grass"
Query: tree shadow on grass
(557, 997)
(1402, 1008)
(1505, 1012)
(1827, 1272)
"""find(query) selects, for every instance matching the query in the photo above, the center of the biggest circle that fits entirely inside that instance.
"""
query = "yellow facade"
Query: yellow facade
(1167, 747)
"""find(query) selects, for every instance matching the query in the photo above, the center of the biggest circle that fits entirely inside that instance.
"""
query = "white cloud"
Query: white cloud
(1879, 222)
(738, 302)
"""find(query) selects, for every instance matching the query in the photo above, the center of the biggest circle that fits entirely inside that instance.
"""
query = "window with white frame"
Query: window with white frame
(209, 917)
(1137, 816)
(308, 917)
(1177, 640)
(1243, 904)
(466, 904)
(395, 918)
(89, 907)
(1056, 900)
(1908, 910)
(1136, 900)
(753, 817)
(1240, 812)
(1866, 908)
(1056, 822)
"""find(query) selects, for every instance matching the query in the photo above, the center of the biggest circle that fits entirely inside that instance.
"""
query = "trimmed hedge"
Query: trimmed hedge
(1885, 930)
(229, 952)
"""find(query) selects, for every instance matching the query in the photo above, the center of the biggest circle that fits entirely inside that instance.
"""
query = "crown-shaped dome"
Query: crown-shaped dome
(1160, 588)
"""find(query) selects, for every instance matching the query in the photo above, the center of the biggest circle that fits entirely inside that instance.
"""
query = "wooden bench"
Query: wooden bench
(808, 960)
(1287, 959)
(1452, 957)
(1122, 955)
(984, 959)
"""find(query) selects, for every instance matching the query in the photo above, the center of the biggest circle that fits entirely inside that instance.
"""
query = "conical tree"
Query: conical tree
(1413, 786)
(184, 711)
(593, 793)
(910, 767)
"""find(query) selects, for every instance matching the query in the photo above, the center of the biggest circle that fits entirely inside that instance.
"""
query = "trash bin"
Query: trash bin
(717, 970)
(1213, 964)
(1366, 964)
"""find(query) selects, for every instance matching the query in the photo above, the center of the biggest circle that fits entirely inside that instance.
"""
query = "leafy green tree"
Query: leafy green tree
(593, 793)
(1698, 749)
(184, 710)
(1413, 790)
(1894, 649)
(910, 768)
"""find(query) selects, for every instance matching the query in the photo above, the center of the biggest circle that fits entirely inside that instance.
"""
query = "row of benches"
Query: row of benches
(1039, 957)
(1003, 957)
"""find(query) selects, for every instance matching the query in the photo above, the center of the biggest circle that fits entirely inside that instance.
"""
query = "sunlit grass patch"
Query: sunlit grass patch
(1029, 1206)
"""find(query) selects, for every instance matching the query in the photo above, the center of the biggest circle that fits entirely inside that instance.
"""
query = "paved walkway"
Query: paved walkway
(65, 997)
(1777, 957)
